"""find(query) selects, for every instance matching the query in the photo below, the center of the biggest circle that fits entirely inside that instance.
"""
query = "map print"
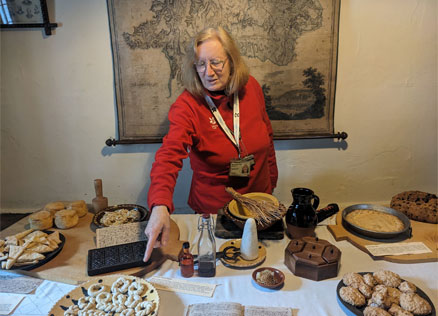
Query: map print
(289, 45)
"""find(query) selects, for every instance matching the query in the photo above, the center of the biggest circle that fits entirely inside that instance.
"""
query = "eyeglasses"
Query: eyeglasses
(215, 64)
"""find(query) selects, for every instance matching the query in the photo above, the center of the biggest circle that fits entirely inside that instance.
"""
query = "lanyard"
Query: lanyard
(234, 137)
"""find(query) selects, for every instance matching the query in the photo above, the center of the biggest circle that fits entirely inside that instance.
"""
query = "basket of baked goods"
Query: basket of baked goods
(264, 208)
(120, 214)
(381, 293)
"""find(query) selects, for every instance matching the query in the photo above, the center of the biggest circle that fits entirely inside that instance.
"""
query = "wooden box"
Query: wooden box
(312, 258)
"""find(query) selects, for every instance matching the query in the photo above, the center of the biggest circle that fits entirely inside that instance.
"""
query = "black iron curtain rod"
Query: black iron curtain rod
(113, 142)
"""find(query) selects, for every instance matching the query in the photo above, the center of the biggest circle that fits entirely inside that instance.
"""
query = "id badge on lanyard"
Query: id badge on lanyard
(239, 167)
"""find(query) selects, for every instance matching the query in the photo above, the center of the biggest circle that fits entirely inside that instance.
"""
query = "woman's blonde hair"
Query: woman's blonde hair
(239, 73)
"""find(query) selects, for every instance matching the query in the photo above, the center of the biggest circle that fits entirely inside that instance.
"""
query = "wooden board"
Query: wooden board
(421, 232)
(70, 265)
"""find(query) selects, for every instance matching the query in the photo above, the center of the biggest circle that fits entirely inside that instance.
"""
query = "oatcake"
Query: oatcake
(375, 221)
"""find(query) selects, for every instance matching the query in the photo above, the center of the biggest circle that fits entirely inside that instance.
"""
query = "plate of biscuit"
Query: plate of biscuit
(120, 214)
(113, 294)
(30, 249)
(381, 293)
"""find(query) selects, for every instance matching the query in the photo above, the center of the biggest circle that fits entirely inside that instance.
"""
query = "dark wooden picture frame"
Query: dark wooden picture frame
(26, 14)
(291, 50)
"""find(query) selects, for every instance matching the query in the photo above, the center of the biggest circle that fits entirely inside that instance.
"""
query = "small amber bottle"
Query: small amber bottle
(186, 262)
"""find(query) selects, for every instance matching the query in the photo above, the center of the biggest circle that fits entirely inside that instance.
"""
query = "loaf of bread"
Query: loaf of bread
(417, 205)
(79, 206)
(54, 207)
(65, 219)
(41, 220)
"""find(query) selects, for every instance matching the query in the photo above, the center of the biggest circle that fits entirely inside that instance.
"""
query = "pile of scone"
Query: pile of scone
(384, 293)
(27, 247)
(63, 215)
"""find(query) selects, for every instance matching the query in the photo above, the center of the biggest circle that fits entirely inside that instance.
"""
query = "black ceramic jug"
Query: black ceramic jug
(301, 218)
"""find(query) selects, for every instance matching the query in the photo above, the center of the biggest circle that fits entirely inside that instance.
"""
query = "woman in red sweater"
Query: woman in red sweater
(220, 122)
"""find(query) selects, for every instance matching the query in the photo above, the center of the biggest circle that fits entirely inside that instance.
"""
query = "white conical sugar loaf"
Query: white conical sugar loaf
(249, 247)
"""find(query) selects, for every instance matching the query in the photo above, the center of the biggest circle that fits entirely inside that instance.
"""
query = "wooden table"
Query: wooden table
(70, 265)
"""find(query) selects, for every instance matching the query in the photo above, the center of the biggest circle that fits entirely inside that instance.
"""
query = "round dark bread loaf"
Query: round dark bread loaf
(417, 205)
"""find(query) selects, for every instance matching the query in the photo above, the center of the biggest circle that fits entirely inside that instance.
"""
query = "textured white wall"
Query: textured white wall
(58, 108)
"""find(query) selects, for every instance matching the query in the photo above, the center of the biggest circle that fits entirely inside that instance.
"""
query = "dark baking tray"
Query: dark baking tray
(144, 213)
(49, 255)
(353, 310)
(407, 230)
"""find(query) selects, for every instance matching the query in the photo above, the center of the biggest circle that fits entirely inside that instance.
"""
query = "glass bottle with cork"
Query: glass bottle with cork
(186, 261)
(206, 247)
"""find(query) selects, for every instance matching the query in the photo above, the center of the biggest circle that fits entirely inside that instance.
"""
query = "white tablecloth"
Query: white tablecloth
(305, 296)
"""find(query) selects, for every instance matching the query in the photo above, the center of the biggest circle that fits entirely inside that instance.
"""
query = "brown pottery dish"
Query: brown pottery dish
(144, 213)
(276, 281)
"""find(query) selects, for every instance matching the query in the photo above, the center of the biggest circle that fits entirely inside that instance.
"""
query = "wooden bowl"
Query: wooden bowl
(278, 277)
(241, 222)
(241, 212)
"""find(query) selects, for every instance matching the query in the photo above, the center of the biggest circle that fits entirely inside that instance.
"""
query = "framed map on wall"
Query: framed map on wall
(290, 47)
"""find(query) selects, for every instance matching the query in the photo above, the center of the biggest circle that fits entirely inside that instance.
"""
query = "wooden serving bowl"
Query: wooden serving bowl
(241, 212)
(239, 222)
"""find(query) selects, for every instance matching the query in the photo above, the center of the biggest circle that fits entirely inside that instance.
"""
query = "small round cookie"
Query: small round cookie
(387, 278)
(415, 304)
(128, 312)
(407, 287)
(375, 311)
(121, 285)
(136, 288)
(104, 298)
(41, 220)
(54, 207)
(396, 310)
(96, 288)
(65, 219)
(352, 296)
(144, 308)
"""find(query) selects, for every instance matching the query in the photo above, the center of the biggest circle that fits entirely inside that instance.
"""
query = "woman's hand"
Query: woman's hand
(158, 229)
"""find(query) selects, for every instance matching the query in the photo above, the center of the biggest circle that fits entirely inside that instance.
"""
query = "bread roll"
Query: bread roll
(41, 220)
(54, 207)
(65, 219)
(80, 207)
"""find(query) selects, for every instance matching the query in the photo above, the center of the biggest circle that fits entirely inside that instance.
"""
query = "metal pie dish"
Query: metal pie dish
(375, 234)
(144, 213)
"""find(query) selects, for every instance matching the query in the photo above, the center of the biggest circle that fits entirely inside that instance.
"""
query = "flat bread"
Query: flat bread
(375, 221)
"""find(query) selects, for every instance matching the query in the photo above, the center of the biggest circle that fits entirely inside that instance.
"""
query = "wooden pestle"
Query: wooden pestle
(99, 202)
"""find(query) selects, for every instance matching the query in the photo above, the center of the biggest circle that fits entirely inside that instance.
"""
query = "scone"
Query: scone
(79, 206)
(54, 207)
(352, 296)
(41, 220)
(415, 304)
(65, 219)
